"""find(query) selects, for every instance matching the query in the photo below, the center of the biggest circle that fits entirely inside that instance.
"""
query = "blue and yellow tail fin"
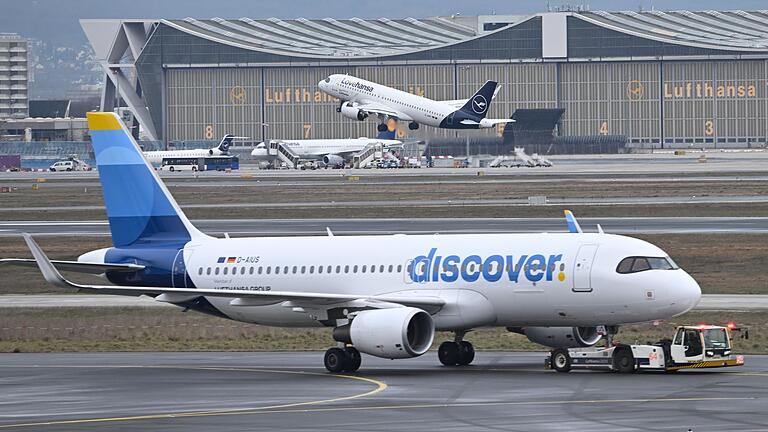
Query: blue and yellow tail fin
(573, 224)
(140, 209)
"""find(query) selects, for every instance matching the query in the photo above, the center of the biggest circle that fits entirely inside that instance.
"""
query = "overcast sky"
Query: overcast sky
(58, 19)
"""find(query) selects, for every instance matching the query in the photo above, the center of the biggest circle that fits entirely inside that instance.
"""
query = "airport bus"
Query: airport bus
(211, 163)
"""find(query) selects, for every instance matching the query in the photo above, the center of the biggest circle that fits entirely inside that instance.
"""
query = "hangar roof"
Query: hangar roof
(355, 37)
(726, 30)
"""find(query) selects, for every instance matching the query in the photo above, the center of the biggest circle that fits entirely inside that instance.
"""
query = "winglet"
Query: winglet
(46, 267)
(573, 224)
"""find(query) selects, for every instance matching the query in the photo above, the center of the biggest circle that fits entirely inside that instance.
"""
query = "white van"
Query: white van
(67, 165)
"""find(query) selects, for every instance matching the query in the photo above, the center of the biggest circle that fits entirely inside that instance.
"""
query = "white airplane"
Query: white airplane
(385, 300)
(332, 152)
(156, 157)
(361, 98)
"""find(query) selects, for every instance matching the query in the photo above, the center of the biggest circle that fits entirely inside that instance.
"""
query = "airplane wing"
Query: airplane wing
(491, 122)
(76, 266)
(240, 297)
(377, 108)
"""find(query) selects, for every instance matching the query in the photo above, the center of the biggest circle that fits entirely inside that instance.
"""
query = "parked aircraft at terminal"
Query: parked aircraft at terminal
(382, 295)
(361, 98)
(332, 152)
(156, 157)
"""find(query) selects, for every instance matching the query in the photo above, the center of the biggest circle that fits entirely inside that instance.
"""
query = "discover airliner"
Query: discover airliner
(156, 157)
(332, 152)
(361, 98)
(388, 300)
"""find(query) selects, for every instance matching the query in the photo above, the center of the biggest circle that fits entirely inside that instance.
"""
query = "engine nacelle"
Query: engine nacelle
(563, 337)
(401, 332)
(348, 111)
(333, 160)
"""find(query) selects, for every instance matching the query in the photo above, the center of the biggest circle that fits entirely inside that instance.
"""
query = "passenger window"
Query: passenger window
(399, 268)
(329, 269)
(250, 271)
(200, 271)
(346, 269)
(640, 264)
(373, 269)
(390, 268)
(277, 269)
(208, 271)
(381, 268)
(338, 269)
(269, 269)
(285, 270)
(216, 270)
(319, 269)
(234, 271)
(311, 269)
(242, 270)
(354, 269)
(362, 270)
(303, 269)
(261, 269)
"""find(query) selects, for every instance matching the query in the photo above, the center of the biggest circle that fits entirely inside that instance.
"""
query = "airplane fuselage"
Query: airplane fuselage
(404, 106)
(553, 279)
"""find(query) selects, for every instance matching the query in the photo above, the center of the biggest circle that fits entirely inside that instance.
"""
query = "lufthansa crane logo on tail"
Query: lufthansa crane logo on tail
(479, 104)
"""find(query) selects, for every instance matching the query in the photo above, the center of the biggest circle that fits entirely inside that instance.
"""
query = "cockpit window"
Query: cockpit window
(327, 80)
(261, 145)
(638, 264)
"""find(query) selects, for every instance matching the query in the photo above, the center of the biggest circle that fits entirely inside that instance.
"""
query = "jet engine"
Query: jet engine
(348, 111)
(561, 337)
(333, 160)
(401, 332)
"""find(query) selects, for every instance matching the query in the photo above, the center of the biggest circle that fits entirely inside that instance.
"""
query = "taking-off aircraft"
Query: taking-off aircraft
(386, 301)
(361, 98)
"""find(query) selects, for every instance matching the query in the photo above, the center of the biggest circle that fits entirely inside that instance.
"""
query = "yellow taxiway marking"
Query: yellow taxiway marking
(380, 387)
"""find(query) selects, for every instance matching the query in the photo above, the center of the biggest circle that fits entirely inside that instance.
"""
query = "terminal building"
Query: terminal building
(662, 79)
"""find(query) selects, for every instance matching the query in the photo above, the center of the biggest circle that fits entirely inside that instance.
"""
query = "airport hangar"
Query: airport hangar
(663, 79)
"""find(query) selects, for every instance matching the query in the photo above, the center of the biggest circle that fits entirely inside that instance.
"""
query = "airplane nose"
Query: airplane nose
(689, 292)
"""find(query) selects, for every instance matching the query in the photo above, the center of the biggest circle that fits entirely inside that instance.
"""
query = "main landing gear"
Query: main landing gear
(345, 359)
(457, 352)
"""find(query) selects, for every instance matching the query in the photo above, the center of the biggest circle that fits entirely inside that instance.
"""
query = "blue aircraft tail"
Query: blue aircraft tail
(225, 143)
(478, 104)
(140, 209)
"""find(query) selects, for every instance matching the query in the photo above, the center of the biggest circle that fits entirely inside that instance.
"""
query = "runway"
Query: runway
(291, 391)
(275, 227)
(709, 302)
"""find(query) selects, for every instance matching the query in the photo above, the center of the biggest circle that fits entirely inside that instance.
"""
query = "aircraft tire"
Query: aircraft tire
(354, 358)
(448, 353)
(336, 360)
(561, 360)
(466, 353)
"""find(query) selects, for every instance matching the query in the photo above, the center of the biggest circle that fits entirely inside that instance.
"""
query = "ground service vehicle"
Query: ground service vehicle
(693, 347)
(211, 163)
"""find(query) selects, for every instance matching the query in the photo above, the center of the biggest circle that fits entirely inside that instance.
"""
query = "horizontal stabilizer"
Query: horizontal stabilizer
(76, 266)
